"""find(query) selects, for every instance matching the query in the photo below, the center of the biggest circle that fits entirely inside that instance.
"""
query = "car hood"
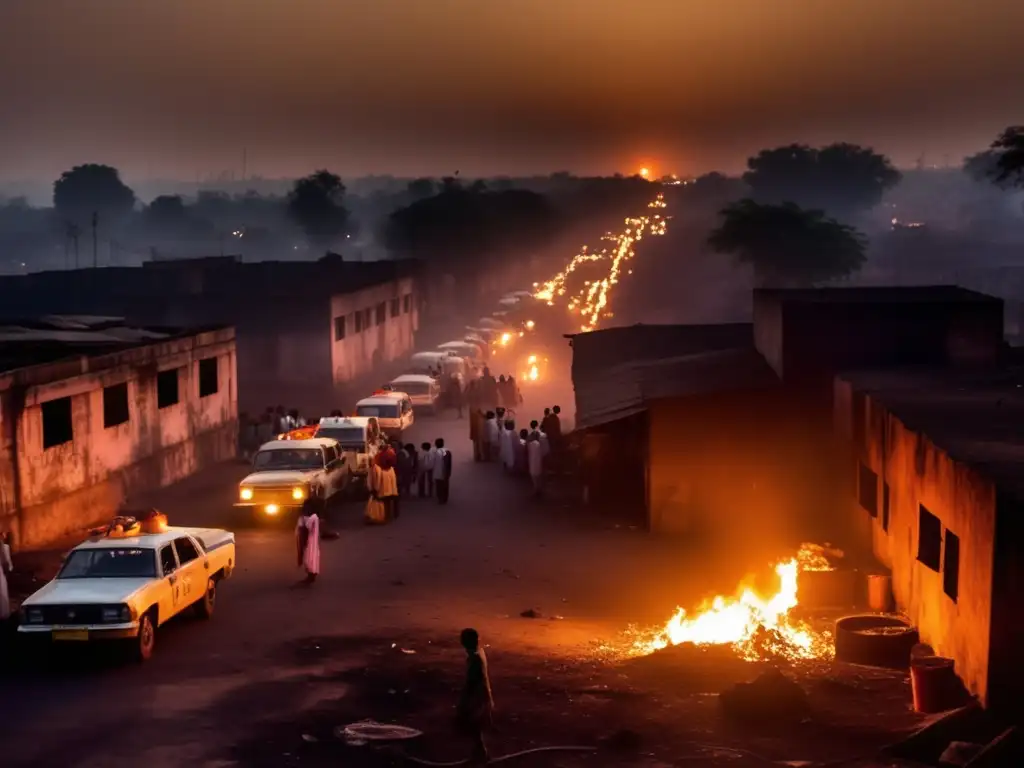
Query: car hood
(278, 477)
(87, 591)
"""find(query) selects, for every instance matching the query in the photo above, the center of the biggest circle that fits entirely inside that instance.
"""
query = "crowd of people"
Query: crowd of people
(524, 452)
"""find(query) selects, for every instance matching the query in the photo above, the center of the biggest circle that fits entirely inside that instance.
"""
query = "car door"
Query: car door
(333, 466)
(170, 597)
(191, 574)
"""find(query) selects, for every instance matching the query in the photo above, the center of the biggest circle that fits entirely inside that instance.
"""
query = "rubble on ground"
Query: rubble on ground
(770, 698)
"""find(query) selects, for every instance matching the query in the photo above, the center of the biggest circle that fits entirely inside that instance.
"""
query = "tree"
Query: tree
(1003, 163)
(787, 244)
(840, 178)
(316, 204)
(89, 189)
(420, 189)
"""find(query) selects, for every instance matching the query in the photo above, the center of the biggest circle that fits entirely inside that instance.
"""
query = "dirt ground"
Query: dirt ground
(267, 681)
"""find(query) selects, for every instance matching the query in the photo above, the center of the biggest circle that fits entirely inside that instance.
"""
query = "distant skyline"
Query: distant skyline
(176, 90)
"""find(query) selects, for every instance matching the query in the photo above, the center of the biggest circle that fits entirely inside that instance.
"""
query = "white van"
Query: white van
(358, 439)
(423, 390)
(425, 362)
(393, 411)
(464, 349)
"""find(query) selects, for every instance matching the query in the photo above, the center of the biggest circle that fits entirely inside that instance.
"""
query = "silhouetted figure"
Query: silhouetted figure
(476, 704)
(425, 476)
(442, 471)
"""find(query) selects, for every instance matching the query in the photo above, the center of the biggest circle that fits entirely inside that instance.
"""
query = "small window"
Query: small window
(382, 313)
(929, 539)
(407, 303)
(115, 405)
(208, 377)
(167, 388)
(359, 322)
(187, 551)
(57, 428)
(885, 506)
(329, 454)
(951, 566)
(867, 490)
(168, 564)
(395, 308)
(339, 328)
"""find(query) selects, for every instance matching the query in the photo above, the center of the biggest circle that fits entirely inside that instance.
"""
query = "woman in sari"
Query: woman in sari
(383, 482)
(307, 539)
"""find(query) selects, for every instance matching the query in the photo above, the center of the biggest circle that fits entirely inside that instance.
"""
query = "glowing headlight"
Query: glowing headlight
(505, 338)
(531, 359)
(530, 324)
(272, 509)
(245, 494)
(298, 494)
(534, 373)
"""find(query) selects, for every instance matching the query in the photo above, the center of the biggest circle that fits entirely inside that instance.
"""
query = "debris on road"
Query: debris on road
(531, 613)
(771, 697)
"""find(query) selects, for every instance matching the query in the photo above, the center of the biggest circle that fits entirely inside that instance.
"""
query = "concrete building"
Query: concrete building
(294, 348)
(937, 495)
(93, 411)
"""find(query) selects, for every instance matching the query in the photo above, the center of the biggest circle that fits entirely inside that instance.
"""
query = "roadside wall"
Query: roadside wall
(82, 436)
(372, 327)
(902, 483)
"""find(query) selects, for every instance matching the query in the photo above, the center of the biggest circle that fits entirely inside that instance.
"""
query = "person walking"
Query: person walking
(475, 709)
(442, 471)
(535, 462)
(458, 395)
(425, 476)
(307, 539)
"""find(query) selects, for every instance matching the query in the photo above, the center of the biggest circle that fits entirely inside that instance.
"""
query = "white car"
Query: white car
(393, 411)
(464, 349)
(359, 439)
(124, 583)
(287, 472)
(423, 391)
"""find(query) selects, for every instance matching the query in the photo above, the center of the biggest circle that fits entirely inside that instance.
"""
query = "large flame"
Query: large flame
(591, 300)
(753, 625)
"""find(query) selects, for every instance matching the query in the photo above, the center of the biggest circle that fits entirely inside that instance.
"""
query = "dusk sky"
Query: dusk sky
(176, 88)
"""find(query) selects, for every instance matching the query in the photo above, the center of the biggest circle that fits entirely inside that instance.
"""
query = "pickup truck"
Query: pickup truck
(287, 472)
(124, 584)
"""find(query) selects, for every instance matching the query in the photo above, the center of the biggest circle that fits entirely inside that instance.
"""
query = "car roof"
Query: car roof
(291, 445)
(413, 378)
(382, 399)
(345, 421)
(142, 541)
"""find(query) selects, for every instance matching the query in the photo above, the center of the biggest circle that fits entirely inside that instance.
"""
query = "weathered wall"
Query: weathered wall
(359, 352)
(726, 464)
(919, 473)
(67, 487)
(768, 331)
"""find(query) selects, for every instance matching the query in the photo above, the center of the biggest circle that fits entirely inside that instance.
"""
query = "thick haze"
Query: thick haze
(177, 88)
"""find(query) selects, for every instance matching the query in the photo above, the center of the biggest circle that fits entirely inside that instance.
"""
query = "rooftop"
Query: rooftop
(296, 445)
(896, 294)
(47, 339)
(977, 417)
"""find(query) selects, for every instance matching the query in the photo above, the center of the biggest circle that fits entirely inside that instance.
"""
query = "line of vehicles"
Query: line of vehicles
(132, 576)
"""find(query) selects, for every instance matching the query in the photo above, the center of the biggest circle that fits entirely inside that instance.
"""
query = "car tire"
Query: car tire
(208, 602)
(145, 640)
(876, 640)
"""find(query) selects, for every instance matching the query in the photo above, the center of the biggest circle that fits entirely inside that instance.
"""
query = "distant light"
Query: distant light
(645, 172)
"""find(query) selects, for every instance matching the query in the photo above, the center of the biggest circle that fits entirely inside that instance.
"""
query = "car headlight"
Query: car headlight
(33, 615)
(245, 494)
(298, 494)
(116, 614)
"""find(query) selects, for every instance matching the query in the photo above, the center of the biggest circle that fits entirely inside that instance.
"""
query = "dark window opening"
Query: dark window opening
(186, 550)
(951, 566)
(396, 308)
(57, 428)
(382, 313)
(168, 564)
(359, 322)
(167, 388)
(406, 303)
(885, 506)
(208, 383)
(867, 490)
(115, 405)
(367, 318)
(929, 539)
(859, 417)
(339, 328)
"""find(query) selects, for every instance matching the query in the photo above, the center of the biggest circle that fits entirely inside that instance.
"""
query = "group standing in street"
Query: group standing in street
(531, 452)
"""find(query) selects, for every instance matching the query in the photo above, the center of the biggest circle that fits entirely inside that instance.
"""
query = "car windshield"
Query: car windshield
(351, 438)
(296, 458)
(415, 387)
(112, 563)
(380, 411)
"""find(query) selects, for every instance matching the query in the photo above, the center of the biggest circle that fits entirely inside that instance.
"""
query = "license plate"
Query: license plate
(77, 635)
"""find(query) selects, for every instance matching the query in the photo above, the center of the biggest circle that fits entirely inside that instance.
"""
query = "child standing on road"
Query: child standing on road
(476, 704)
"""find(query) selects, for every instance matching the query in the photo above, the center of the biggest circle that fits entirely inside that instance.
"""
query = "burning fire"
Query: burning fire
(592, 299)
(754, 626)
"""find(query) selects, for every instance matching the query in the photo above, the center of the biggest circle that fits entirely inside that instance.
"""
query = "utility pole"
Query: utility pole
(95, 252)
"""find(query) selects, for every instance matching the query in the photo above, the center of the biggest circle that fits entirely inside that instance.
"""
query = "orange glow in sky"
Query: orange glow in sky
(645, 172)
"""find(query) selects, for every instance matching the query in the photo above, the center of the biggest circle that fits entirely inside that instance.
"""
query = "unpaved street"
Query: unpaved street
(278, 667)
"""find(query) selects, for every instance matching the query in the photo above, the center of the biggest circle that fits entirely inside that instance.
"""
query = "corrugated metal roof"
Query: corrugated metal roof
(626, 389)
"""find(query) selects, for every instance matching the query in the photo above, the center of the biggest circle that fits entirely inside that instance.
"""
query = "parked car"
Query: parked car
(424, 391)
(287, 472)
(393, 411)
(127, 581)
(359, 439)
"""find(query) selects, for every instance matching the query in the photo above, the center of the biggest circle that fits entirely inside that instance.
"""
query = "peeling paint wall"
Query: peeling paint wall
(70, 486)
(920, 474)
(359, 352)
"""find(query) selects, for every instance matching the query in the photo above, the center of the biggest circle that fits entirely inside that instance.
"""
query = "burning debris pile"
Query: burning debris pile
(756, 627)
